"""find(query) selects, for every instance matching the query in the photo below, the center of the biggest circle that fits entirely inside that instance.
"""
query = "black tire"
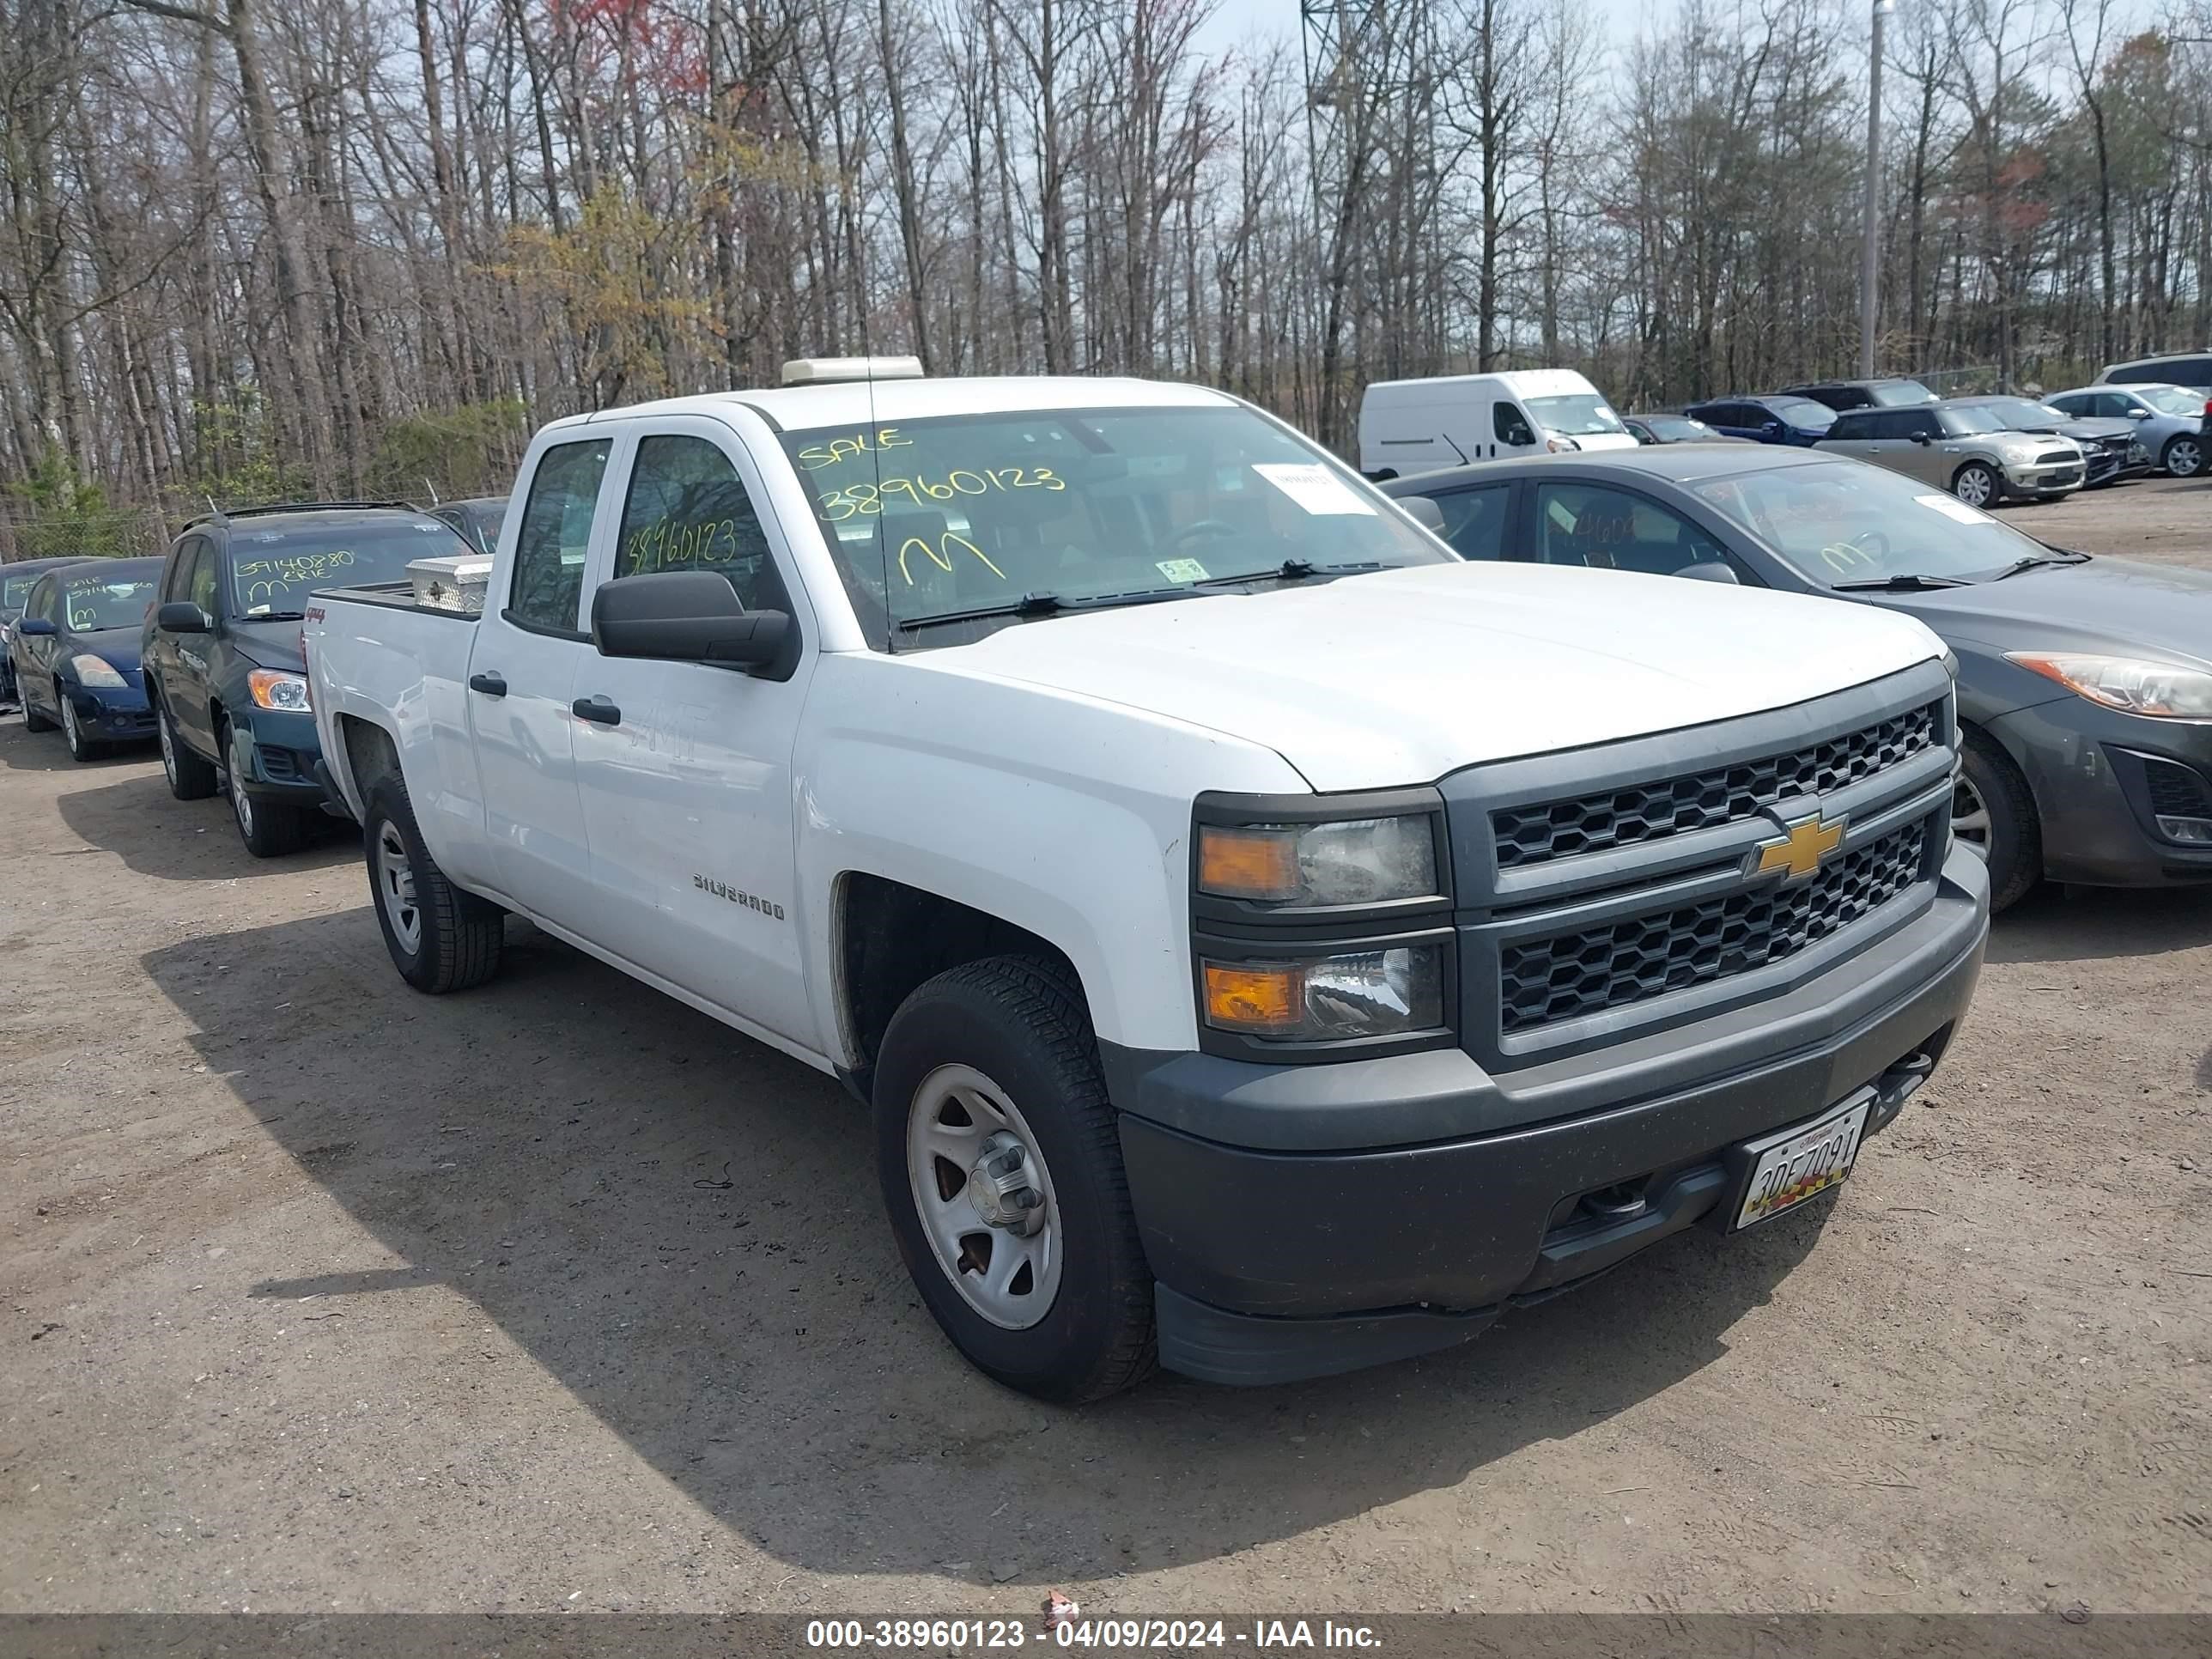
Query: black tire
(1023, 1023)
(269, 829)
(33, 719)
(1991, 487)
(82, 748)
(2015, 840)
(457, 936)
(2183, 450)
(191, 775)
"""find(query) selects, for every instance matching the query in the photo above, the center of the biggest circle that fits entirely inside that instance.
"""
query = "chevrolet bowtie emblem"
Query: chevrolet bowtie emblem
(1799, 852)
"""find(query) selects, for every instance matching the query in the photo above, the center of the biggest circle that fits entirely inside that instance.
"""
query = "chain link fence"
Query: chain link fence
(28, 532)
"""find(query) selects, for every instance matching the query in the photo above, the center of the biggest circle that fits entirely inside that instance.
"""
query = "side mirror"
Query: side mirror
(1424, 511)
(685, 615)
(34, 628)
(1709, 570)
(2139, 414)
(182, 616)
(1922, 439)
(1773, 429)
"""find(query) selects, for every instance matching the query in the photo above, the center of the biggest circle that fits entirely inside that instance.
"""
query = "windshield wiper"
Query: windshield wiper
(1910, 582)
(2038, 561)
(1041, 603)
(1290, 570)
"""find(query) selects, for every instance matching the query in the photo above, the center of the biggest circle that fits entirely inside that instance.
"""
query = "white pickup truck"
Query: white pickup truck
(1268, 944)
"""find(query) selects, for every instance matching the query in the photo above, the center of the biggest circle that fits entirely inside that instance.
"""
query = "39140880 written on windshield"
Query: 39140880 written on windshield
(932, 516)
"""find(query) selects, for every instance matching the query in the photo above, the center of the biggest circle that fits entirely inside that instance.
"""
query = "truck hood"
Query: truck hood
(1403, 676)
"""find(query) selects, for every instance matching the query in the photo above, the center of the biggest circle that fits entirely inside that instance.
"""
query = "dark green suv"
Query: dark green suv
(223, 663)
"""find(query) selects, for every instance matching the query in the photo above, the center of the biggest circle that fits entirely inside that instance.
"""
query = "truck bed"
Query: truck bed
(392, 595)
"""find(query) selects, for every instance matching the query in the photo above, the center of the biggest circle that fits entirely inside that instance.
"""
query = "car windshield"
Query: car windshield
(1678, 428)
(2019, 413)
(937, 518)
(2171, 399)
(274, 569)
(15, 591)
(1582, 416)
(90, 605)
(1843, 521)
(1899, 394)
(1804, 412)
(1965, 422)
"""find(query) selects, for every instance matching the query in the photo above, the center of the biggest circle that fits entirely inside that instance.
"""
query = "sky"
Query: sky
(1238, 20)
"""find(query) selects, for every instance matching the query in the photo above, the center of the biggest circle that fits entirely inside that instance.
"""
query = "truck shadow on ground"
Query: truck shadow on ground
(682, 1228)
(2055, 924)
(156, 835)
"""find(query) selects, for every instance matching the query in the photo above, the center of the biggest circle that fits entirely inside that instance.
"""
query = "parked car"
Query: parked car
(1670, 429)
(2192, 369)
(16, 581)
(1965, 450)
(222, 651)
(76, 652)
(478, 520)
(2085, 686)
(2170, 418)
(2111, 450)
(1843, 395)
(1409, 426)
(1257, 931)
(1765, 420)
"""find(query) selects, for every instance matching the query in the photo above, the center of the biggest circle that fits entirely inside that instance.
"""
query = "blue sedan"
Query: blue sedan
(76, 652)
(1778, 419)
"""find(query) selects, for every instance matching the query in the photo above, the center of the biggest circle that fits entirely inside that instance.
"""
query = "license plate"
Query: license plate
(1802, 1165)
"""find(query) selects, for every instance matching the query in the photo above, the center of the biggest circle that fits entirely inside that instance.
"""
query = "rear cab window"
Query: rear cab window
(555, 536)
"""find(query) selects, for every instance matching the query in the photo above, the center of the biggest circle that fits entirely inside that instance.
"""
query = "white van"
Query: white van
(1449, 420)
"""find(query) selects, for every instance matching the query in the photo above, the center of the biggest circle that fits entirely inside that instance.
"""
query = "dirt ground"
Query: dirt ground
(320, 1294)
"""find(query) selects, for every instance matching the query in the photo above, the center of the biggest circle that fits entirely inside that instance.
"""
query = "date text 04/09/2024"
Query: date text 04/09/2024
(1260, 1636)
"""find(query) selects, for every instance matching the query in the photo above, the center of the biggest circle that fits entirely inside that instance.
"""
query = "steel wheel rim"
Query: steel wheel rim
(169, 750)
(1008, 1278)
(395, 887)
(1971, 822)
(242, 803)
(1974, 487)
(2187, 459)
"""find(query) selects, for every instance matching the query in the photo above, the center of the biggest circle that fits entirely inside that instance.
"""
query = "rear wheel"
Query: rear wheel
(441, 938)
(81, 747)
(191, 776)
(1993, 817)
(2183, 456)
(1001, 1168)
(1976, 485)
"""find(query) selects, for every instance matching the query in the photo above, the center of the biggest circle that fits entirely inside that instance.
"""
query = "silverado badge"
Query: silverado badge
(1799, 851)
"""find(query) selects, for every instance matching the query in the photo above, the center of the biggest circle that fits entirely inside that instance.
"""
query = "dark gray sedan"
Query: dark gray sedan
(2085, 685)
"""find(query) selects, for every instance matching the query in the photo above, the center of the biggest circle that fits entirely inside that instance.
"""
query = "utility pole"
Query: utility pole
(1870, 255)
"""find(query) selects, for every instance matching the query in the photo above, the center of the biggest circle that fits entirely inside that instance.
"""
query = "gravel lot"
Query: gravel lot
(560, 1297)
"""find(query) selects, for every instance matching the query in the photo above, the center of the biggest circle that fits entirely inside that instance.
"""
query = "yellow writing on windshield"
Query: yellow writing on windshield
(941, 555)
(815, 457)
(865, 499)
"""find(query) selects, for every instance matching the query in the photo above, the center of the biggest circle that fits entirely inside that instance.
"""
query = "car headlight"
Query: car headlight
(1385, 993)
(1353, 861)
(285, 694)
(94, 671)
(2131, 684)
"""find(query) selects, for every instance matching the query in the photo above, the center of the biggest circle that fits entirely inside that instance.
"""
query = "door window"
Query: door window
(201, 585)
(1908, 424)
(556, 535)
(178, 584)
(1474, 521)
(1612, 530)
(1509, 423)
(687, 510)
(42, 598)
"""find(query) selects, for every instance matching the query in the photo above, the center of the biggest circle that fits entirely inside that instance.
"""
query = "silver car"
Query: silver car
(2171, 419)
(1965, 450)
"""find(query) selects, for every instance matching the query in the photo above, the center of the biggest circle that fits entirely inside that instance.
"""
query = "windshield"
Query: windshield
(2020, 412)
(1582, 416)
(89, 604)
(2171, 399)
(1804, 412)
(1965, 422)
(1680, 429)
(930, 518)
(274, 570)
(16, 593)
(1842, 521)
(1899, 394)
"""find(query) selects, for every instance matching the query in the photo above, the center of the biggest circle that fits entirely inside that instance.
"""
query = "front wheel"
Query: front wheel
(2183, 456)
(1976, 485)
(1001, 1168)
(1993, 817)
(269, 828)
(81, 747)
(441, 938)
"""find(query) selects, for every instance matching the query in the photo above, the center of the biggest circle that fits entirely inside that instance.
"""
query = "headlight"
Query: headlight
(287, 694)
(94, 671)
(2131, 684)
(1355, 862)
(1361, 993)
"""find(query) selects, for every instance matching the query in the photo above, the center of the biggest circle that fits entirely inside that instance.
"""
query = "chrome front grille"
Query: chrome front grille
(1570, 975)
(1723, 795)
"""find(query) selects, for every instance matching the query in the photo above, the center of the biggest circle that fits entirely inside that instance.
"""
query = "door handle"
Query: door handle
(597, 710)
(490, 685)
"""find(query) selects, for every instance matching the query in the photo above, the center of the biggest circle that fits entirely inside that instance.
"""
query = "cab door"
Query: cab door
(685, 767)
(35, 653)
(186, 661)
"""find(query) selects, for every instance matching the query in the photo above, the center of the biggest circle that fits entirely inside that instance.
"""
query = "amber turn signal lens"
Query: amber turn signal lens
(1250, 863)
(1254, 996)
